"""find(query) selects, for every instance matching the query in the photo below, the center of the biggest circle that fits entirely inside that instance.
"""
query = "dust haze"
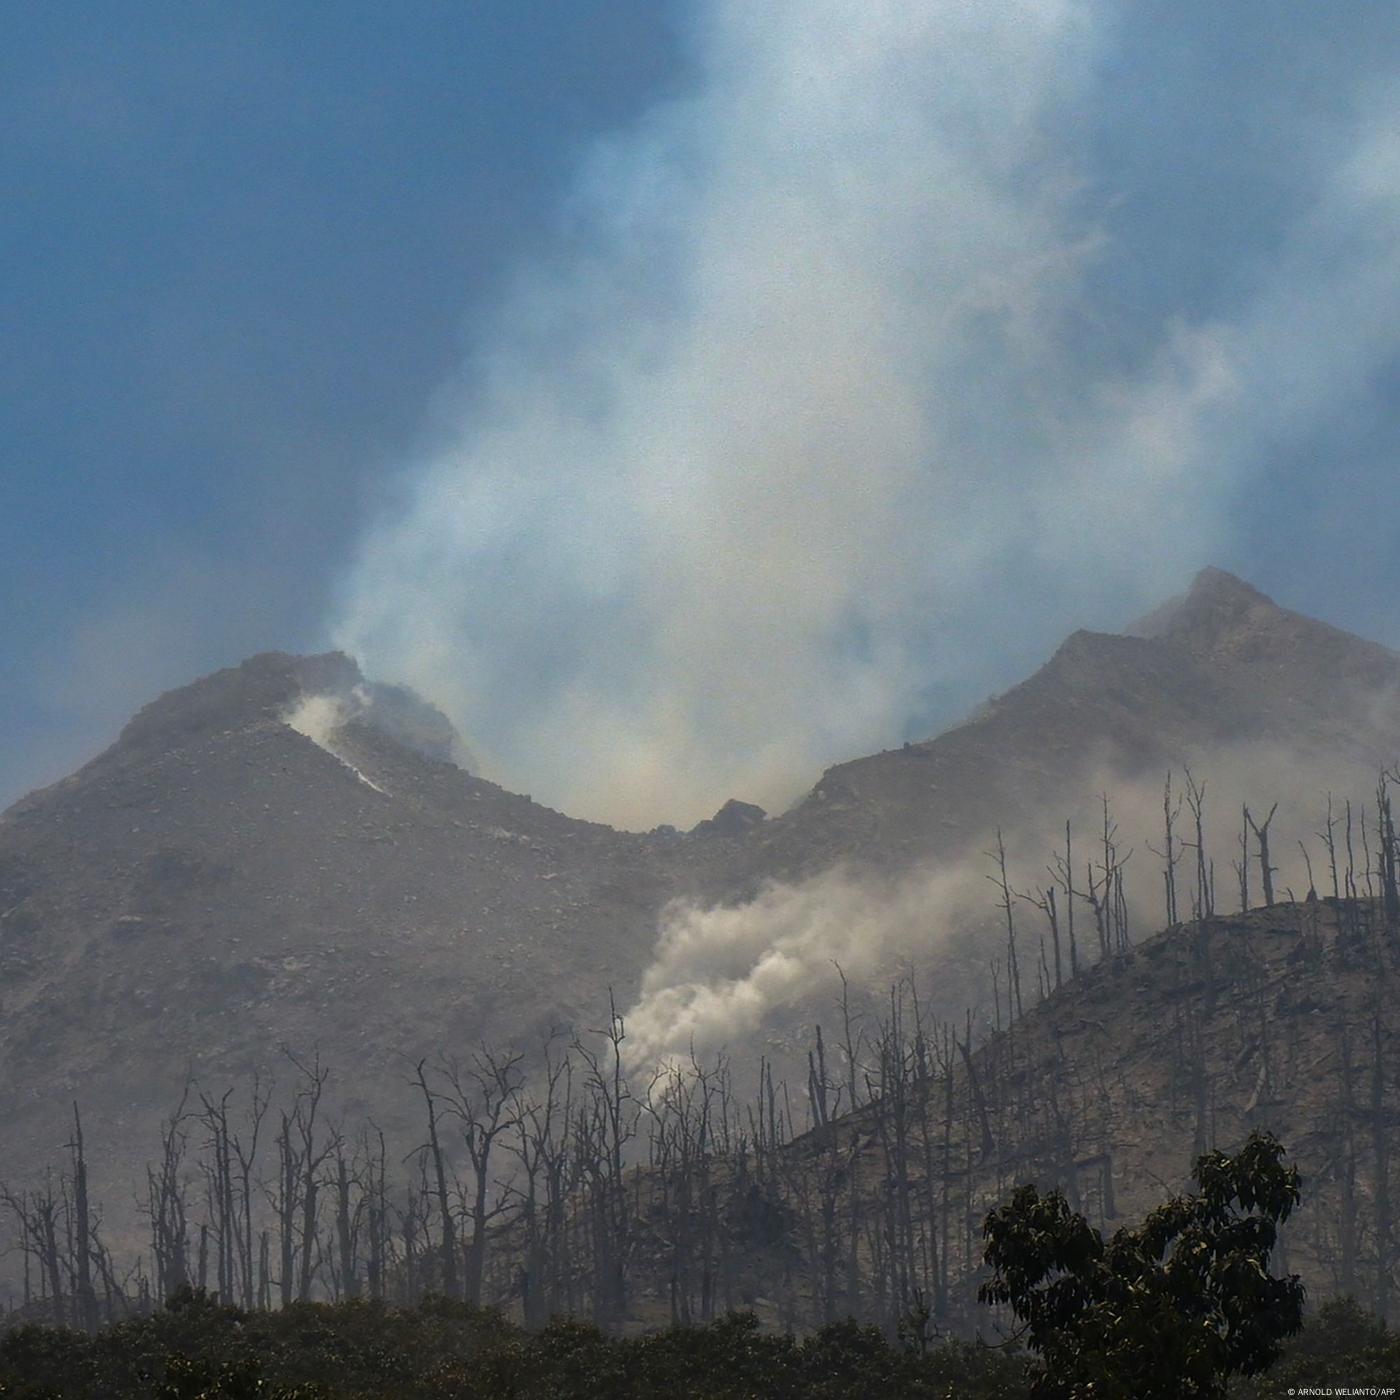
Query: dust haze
(816, 412)
(722, 975)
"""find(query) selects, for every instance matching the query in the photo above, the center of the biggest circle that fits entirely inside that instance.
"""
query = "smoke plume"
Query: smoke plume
(722, 975)
(823, 411)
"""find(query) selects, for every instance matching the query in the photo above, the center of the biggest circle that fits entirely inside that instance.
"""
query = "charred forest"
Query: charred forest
(564, 1180)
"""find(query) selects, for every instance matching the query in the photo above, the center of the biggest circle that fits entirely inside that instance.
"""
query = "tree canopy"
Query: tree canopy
(1172, 1308)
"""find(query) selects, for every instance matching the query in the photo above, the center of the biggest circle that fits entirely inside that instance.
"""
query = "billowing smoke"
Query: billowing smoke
(825, 407)
(722, 975)
(323, 716)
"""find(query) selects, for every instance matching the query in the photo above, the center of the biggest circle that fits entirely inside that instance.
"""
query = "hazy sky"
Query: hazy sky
(685, 395)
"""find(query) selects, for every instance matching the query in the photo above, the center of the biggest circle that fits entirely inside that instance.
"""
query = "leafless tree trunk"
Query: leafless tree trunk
(1203, 902)
(168, 1210)
(608, 1122)
(1328, 836)
(1063, 873)
(1267, 871)
(1390, 894)
(447, 1250)
(1380, 1141)
(1013, 967)
(482, 1101)
(85, 1300)
(1170, 854)
(311, 1157)
(246, 1155)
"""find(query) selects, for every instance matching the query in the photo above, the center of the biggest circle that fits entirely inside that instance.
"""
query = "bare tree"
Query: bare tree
(167, 1206)
(1170, 854)
(447, 1249)
(483, 1100)
(85, 1300)
(1267, 871)
(604, 1124)
(1013, 967)
(1063, 875)
(245, 1152)
(1044, 900)
(1203, 901)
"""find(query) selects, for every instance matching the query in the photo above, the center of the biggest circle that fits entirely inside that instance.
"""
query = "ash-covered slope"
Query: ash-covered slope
(1220, 669)
(221, 883)
(1283, 1020)
(217, 884)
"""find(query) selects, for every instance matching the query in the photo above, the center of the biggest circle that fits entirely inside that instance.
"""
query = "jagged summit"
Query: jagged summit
(1096, 649)
(1220, 584)
(1218, 669)
(270, 686)
(259, 689)
(1216, 603)
(1224, 622)
(735, 818)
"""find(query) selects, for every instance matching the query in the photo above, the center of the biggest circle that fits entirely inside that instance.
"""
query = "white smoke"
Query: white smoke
(721, 974)
(320, 718)
(317, 717)
(792, 431)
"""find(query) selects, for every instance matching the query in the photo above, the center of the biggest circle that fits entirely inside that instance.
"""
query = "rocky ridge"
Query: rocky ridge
(218, 885)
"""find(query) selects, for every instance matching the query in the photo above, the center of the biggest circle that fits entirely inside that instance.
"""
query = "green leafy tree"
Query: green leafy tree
(1170, 1309)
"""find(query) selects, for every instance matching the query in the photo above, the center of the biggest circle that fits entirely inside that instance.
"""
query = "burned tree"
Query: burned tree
(1267, 871)
(483, 1099)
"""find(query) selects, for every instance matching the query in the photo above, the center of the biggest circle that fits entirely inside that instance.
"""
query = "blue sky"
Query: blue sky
(430, 330)
(243, 246)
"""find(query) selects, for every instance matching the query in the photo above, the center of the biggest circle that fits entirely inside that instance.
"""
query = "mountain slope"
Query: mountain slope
(1283, 1020)
(1220, 668)
(219, 884)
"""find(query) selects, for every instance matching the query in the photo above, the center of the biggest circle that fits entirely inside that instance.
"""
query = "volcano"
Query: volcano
(284, 857)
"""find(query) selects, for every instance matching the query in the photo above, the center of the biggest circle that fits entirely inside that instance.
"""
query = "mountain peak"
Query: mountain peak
(735, 818)
(260, 688)
(1216, 584)
(1217, 601)
(274, 686)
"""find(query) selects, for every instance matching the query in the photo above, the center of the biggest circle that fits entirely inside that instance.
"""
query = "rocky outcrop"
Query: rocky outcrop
(735, 818)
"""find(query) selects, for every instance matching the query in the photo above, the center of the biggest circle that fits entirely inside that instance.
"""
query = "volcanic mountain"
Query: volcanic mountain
(218, 884)
(1220, 669)
(282, 855)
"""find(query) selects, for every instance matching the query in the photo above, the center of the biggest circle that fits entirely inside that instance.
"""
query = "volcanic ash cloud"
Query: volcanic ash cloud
(806, 417)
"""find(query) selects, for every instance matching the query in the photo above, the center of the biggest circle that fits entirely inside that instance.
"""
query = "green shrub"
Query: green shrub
(445, 1350)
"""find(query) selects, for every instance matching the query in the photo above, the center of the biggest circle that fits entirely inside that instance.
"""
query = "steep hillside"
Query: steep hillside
(220, 883)
(217, 885)
(1284, 1019)
(1221, 668)
(1264, 706)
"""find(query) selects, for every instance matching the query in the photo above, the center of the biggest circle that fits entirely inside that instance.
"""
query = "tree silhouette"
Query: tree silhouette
(1170, 1309)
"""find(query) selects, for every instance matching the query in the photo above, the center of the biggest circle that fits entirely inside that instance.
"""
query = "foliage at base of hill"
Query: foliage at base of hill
(1341, 1346)
(441, 1350)
(198, 1350)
